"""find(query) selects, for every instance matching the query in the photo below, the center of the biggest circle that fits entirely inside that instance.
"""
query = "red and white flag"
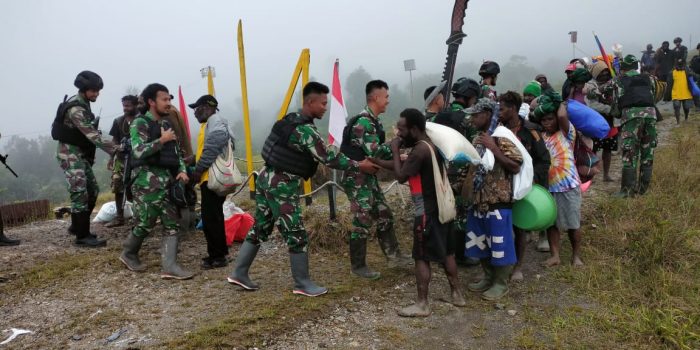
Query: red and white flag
(336, 122)
(183, 110)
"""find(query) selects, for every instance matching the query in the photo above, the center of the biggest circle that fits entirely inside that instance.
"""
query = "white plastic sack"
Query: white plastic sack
(108, 212)
(230, 209)
(522, 181)
(453, 146)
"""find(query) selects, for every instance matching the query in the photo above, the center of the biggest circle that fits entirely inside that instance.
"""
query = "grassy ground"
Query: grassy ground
(640, 288)
(641, 267)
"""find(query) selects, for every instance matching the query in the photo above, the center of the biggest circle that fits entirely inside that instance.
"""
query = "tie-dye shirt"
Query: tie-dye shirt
(563, 175)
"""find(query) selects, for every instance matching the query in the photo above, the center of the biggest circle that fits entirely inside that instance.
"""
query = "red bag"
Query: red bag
(237, 227)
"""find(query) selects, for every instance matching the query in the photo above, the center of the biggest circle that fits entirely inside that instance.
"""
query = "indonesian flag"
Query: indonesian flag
(336, 122)
(183, 110)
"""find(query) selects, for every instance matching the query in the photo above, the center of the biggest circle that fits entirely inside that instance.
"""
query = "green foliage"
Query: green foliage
(40, 176)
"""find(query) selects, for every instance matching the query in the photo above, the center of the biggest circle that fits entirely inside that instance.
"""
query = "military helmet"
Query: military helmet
(489, 68)
(87, 80)
(466, 87)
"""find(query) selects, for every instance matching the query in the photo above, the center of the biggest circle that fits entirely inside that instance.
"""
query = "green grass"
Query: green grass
(642, 265)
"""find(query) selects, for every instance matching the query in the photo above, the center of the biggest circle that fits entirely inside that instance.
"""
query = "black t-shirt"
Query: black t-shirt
(533, 142)
(420, 162)
(120, 128)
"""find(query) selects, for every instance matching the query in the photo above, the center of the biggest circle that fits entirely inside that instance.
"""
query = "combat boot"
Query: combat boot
(358, 259)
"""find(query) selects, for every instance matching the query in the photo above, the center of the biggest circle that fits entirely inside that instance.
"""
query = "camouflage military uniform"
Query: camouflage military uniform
(638, 132)
(364, 193)
(277, 192)
(150, 183)
(76, 166)
(600, 97)
(120, 129)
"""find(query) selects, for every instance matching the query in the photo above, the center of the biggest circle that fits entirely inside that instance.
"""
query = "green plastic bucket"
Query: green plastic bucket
(537, 211)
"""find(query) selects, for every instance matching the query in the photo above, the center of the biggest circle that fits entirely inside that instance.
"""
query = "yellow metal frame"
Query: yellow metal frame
(301, 70)
(210, 83)
(246, 111)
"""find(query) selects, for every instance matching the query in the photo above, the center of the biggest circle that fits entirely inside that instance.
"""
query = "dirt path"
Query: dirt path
(373, 324)
(77, 299)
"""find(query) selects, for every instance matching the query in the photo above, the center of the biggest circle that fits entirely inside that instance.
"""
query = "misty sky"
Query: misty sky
(134, 43)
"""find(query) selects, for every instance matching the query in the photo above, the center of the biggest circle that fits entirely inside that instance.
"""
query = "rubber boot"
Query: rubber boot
(542, 242)
(170, 267)
(358, 255)
(239, 276)
(300, 272)
(629, 183)
(119, 219)
(72, 227)
(486, 281)
(499, 288)
(130, 254)
(390, 247)
(6, 241)
(645, 178)
(83, 237)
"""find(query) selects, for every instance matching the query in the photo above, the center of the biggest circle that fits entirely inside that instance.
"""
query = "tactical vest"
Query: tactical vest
(356, 152)
(166, 157)
(73, 136)
(278, 154)
(637, 92)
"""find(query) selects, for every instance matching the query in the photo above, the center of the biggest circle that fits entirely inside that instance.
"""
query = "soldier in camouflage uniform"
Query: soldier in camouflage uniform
(76, 130)
(638, 130)
(291, 152)
(120, 131)
(156, 160)
(364, 137)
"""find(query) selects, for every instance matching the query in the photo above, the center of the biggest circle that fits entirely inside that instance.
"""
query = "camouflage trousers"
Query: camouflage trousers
(118, 176)
(277, 203)
(367, 203)
(82, 185)
(151, 202)
(638, 142)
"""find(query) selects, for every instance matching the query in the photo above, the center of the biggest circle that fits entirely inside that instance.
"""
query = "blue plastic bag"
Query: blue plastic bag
(694, 89)
(586, 120)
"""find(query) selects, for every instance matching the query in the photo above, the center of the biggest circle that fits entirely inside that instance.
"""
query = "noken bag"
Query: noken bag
(443, 191)
(224, 176)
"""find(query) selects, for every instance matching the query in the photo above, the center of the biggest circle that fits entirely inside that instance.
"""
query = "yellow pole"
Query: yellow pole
(306, 61)
(292, 85)
(210, 82)
(246, 112)
(300, 71)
